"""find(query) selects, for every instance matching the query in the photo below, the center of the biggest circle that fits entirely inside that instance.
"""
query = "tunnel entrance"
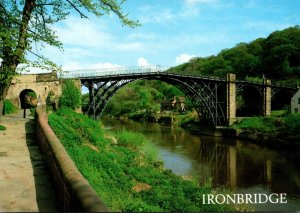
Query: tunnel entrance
(28, 99)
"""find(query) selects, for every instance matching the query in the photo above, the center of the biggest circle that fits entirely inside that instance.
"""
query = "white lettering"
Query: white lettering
(275, 200)
(248, 198)
(217, 199)
(240, 198)
(232, 199)
(210, 198)
(283, 198)
(260, 198)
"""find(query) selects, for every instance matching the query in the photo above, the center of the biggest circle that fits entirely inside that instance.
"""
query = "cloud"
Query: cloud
(142, 62)
(88, 66)
(183, 58)
(130, 46)
(162, 16)
(193, 2)
(83, 32)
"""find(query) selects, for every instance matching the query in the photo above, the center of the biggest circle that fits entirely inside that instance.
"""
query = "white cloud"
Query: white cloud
(193, 2)
(130, 46)
(183, 58)
(142, 62)
(157, 16)
(83, 32)
(78, 66)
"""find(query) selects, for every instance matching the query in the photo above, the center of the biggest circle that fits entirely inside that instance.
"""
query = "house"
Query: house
(295, 102)
(177, 103)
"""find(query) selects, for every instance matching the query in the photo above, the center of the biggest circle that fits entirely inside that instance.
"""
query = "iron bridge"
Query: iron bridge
(210, 96)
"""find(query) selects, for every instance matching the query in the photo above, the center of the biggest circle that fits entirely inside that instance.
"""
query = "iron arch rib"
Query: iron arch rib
(202, 93)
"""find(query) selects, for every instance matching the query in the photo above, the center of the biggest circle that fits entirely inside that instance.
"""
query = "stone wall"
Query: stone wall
(41, 84)
(73, 192)
(35, 83)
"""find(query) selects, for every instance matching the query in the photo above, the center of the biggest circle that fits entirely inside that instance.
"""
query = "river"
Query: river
(237, 165)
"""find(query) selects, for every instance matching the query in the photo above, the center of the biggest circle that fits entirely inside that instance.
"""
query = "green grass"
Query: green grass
(2, 128)
(124, 170)
(9, 107)
(279, 112)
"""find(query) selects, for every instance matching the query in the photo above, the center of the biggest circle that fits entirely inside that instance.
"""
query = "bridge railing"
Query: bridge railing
(110, 71)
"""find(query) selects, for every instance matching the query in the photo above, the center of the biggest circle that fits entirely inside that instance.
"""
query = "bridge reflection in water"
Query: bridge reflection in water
(237, 165)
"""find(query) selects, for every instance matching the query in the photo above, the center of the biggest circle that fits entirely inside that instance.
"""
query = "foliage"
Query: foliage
(27, 26)
(71, 95)
(31, 94)
(140, 97)
(9, 107)
(286, 125)
(2, 128)
(123, 168)
(275, 57)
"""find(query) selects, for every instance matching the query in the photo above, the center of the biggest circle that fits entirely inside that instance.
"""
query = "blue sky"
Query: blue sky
(172, 31)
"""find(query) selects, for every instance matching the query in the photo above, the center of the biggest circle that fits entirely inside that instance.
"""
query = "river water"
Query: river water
(227, 163)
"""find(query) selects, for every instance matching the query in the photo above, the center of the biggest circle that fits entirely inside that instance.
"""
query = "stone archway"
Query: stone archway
(28, 99)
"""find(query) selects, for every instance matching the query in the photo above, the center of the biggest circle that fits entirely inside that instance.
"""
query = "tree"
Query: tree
(71, 96)
(26, 24)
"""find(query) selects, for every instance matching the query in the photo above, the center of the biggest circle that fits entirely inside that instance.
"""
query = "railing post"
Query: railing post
(231, 99)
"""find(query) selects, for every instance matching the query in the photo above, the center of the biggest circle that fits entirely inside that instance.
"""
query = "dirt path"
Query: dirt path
(24, 179)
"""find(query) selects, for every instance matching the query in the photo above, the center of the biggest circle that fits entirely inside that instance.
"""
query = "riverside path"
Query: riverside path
(24, 180)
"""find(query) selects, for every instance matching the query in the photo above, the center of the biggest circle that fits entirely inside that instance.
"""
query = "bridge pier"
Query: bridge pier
(267, 97)
(231, 99)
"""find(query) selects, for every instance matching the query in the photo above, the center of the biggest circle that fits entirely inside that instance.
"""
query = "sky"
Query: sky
(171, 32)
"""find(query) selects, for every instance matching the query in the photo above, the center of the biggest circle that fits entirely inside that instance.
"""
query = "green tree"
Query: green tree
(71, 96)
(26, 25)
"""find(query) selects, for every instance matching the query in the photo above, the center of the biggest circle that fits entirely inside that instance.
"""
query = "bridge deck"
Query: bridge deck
(24, 182)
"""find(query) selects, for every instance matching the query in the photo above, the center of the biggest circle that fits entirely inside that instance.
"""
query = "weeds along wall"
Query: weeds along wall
(73, 192)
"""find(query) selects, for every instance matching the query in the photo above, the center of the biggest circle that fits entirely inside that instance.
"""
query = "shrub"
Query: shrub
(9, 107)
(2, 128)
(71, 96)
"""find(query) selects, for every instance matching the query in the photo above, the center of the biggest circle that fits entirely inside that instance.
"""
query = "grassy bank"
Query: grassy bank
(276, 128)
(124, 170)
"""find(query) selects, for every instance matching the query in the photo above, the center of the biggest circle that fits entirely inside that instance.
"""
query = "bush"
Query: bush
(71, 96)
(2, 128)
(9, 107)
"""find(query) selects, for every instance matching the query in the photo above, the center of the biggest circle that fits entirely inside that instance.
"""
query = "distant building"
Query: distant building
(295, 102)
(177, 103)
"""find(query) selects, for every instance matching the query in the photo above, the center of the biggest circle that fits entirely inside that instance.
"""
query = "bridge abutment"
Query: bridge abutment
(231, 99)
(267, 97)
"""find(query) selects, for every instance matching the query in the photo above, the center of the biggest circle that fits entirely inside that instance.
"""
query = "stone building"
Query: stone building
(40, 84)
(295, 102)
(177, 103)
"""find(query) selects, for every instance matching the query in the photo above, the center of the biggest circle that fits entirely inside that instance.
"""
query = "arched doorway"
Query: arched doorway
(28, 99)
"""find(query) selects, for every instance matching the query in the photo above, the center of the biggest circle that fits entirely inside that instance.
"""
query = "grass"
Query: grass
(279, 112)
(124, 170)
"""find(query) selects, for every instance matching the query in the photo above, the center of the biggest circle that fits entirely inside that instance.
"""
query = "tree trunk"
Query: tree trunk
(12, 59)
(4, 89)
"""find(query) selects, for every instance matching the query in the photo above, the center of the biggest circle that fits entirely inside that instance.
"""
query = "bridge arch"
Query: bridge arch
(207, 97)
(251, 98)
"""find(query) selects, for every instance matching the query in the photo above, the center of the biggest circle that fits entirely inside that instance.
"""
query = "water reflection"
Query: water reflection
(238, 165)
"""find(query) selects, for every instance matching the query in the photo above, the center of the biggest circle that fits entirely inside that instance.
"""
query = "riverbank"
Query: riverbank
(124, 170)
(275, 131)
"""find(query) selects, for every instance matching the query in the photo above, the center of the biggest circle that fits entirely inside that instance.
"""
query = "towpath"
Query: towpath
(24, 180)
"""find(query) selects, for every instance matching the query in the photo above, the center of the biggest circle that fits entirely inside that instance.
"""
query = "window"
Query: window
(296, 109)
(298, 100)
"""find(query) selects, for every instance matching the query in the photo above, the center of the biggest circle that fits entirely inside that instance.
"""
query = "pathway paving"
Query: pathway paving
(24, 180)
